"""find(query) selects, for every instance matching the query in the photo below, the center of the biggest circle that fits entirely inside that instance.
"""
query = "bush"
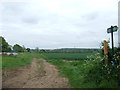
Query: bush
(102, 75)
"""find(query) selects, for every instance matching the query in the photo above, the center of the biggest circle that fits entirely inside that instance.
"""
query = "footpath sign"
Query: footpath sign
(111, 30)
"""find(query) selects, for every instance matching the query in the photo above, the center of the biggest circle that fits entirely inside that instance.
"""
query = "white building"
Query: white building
(119, 23)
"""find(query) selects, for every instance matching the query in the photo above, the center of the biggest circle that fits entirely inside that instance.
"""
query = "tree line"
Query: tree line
(5, 47)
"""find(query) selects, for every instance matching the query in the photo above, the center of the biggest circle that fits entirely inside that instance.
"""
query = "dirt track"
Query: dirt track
(40, 74)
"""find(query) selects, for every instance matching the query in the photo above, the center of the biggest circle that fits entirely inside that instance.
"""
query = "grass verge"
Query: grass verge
(17, 61)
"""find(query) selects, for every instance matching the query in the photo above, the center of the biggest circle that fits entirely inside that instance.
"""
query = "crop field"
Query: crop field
(67, 56)
(25, 58)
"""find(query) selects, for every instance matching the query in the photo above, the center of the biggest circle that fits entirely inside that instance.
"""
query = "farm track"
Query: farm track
(40, 74)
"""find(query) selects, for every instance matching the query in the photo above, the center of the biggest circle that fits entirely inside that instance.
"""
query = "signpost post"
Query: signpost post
(106, 52)
(111, 30)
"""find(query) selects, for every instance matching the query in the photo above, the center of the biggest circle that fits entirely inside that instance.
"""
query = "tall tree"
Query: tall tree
(4, 46)
(17, 48)
(28, 49)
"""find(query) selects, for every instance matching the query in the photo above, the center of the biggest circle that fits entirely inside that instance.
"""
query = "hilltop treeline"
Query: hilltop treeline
(6, 47)
(70, 50)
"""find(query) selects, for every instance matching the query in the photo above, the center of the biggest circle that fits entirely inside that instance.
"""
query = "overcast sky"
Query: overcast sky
(58, 23)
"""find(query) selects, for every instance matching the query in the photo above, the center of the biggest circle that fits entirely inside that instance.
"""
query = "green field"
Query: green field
(25, 58)
(17, 61)
(82, 72)
(67, 56)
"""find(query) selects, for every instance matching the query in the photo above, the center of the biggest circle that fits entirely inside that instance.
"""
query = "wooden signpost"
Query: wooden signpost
(111, 30)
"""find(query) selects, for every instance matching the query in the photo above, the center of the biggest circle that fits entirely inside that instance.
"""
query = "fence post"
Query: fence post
(106, 52)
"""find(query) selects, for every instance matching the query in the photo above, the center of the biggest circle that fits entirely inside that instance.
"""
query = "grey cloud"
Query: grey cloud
(91, 16)
(30, 20)
(13, 8)
(12, 12)
(35, 26)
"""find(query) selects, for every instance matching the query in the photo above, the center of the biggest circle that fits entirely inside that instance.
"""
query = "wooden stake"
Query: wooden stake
(106, 52)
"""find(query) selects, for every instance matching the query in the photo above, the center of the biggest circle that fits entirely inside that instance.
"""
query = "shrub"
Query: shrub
(102, 75)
